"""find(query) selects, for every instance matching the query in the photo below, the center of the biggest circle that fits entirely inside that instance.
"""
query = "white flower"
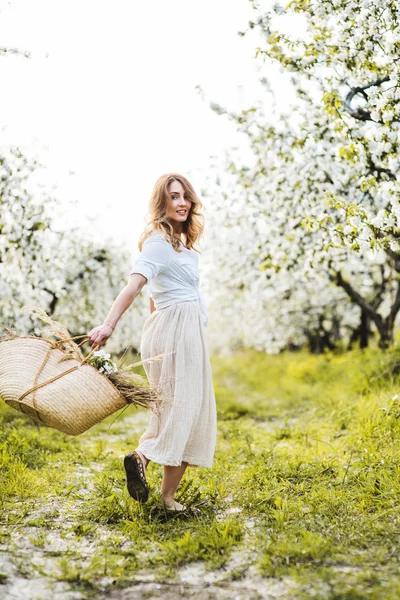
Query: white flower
(102, 353)
(375, 115)
(387, 115)
(379, 220)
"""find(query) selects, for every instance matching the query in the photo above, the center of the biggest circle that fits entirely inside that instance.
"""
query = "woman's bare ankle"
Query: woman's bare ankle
(167, 498)
(171, 504)
(145, 460)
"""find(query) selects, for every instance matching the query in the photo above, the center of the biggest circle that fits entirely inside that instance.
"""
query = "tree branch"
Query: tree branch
(356, 297)
(361, 113)
(395, 307)
(379, 170)
(380, 290)
(395, 256)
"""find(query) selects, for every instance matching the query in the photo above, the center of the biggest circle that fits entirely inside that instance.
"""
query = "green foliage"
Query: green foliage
(332, 101)
(305, 483)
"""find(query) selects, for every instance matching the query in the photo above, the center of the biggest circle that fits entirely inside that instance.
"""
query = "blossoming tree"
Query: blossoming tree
(63, 272)
(324, 181)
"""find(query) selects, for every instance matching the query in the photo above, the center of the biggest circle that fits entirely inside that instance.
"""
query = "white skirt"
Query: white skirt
(185, 428)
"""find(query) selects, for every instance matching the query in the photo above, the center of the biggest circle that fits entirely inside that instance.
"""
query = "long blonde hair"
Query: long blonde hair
(193, 227)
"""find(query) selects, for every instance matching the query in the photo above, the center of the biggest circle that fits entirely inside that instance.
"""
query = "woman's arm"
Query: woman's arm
(152, 305)
(99, 335)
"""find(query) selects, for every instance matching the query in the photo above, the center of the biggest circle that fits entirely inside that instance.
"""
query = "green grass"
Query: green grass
(305, 487)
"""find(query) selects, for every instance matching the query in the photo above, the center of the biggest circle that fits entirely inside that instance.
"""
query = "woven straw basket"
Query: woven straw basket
(38, 379)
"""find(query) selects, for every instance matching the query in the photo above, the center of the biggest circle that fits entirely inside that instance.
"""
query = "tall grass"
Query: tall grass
(305, 485)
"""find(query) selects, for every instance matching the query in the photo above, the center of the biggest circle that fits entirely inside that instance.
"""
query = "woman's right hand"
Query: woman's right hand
(99, 335)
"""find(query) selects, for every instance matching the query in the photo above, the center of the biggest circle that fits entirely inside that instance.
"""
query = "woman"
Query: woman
(184, 431)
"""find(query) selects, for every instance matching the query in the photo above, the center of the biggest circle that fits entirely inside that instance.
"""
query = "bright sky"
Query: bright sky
(108, 101)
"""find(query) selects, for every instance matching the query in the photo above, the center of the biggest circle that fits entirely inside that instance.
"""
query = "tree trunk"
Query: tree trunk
(364, 329)
(313, 342)
(386, 333)
(336, 329)
(319, 339)
(385, 326)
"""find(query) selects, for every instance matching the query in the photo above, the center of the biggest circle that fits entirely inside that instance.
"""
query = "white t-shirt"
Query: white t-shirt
(171, 276)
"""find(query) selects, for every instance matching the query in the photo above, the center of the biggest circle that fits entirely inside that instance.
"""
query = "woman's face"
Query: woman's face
(178, 207)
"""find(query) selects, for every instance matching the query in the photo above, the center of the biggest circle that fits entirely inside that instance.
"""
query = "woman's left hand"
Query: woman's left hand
(99, 335)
